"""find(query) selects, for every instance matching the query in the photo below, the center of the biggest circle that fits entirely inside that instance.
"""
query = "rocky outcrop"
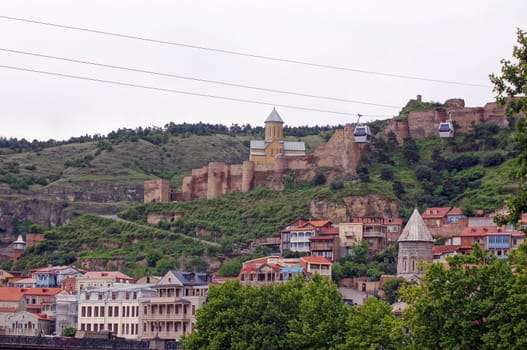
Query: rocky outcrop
(354, 206)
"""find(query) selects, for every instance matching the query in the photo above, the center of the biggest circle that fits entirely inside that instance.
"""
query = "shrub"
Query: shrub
(493, 159)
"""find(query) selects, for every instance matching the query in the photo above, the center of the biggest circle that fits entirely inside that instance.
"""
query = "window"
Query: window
(110, 311)
(102, 311)
(96, 311)
(116, 311)
(114, 295)
(83, 311)
(89, 311)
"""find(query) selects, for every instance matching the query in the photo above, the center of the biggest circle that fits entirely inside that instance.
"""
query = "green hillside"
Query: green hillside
(470, 171)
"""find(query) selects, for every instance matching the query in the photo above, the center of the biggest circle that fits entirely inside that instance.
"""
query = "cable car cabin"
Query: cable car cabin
(362, 134)
(446, 129)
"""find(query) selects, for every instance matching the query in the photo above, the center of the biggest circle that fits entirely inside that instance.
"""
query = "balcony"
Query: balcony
(374, 234)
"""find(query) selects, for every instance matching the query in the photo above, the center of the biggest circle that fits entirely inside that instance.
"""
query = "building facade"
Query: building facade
(114, 309)
(170, 313)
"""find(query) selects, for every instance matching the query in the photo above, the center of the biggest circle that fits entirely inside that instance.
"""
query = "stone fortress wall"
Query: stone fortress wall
(340, 153)
(421, 124)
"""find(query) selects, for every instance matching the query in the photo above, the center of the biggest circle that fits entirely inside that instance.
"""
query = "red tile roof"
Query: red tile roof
(443, 249)
(8, 309)
(483, 231)
(330, 231)
(10, 294)
(323, 238)
(393, 221)
(318, 223)
(435, 213)
(100, 274)
(455, 211)
(316, 259)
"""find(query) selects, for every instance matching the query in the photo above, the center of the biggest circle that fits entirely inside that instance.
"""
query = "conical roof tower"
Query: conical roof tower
(415, 247)
(415, 229)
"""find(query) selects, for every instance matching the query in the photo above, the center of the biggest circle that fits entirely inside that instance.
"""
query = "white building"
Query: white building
(114, 309)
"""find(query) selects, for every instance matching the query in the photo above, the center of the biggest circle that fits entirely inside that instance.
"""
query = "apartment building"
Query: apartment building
(114, 309)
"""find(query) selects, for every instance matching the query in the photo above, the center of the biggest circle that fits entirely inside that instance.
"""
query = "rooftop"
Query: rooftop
(274, 117)
(416, 230)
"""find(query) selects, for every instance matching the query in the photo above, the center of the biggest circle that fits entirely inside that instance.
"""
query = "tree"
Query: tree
(511, 90)
(370, 327)
(410, 150)
(321, 316)
(391, 289)
(69, 331)
(455, 308)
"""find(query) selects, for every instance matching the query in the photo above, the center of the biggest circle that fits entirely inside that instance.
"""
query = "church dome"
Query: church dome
(416, 230)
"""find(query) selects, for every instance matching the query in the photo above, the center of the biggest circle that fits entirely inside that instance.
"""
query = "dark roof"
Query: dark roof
(191, 278)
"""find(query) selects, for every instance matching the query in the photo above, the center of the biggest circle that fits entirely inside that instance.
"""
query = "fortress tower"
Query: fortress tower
(415, 246)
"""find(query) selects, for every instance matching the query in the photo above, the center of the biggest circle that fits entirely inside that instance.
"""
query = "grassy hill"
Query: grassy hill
(468, 171)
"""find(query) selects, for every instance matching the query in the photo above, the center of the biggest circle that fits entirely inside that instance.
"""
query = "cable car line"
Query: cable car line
(197, 79)
(180, 91)
(245, 54)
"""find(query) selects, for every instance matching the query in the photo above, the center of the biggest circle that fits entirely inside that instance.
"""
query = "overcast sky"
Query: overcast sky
(460, 41)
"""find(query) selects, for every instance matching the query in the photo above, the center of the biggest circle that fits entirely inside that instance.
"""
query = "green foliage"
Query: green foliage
(410, 150)
(319, 179)
(387, 173)
(230, 268)
(511, 89)
(414, 105)
(91, 237)
(371, 326)
(291, 315)
(69, 332)
(391, 289)
(80, 162)
(455, 308)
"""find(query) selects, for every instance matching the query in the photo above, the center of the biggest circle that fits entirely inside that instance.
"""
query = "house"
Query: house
(28, 324)
(66, 312)
(171, 312)
(53, 276)
(441, 252)
(316, 264)
(266, 151)
(26, 283)
(326, 244)
(377, 231)
(101, 279)
(454, 215)
(394, 227)
(498, 240)
(32, 300)
(295, 237)
(277, 269)
(435, 217)
(4, 277)
(11, 301)
(350, 234)
(149, 280)
(114, 309)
